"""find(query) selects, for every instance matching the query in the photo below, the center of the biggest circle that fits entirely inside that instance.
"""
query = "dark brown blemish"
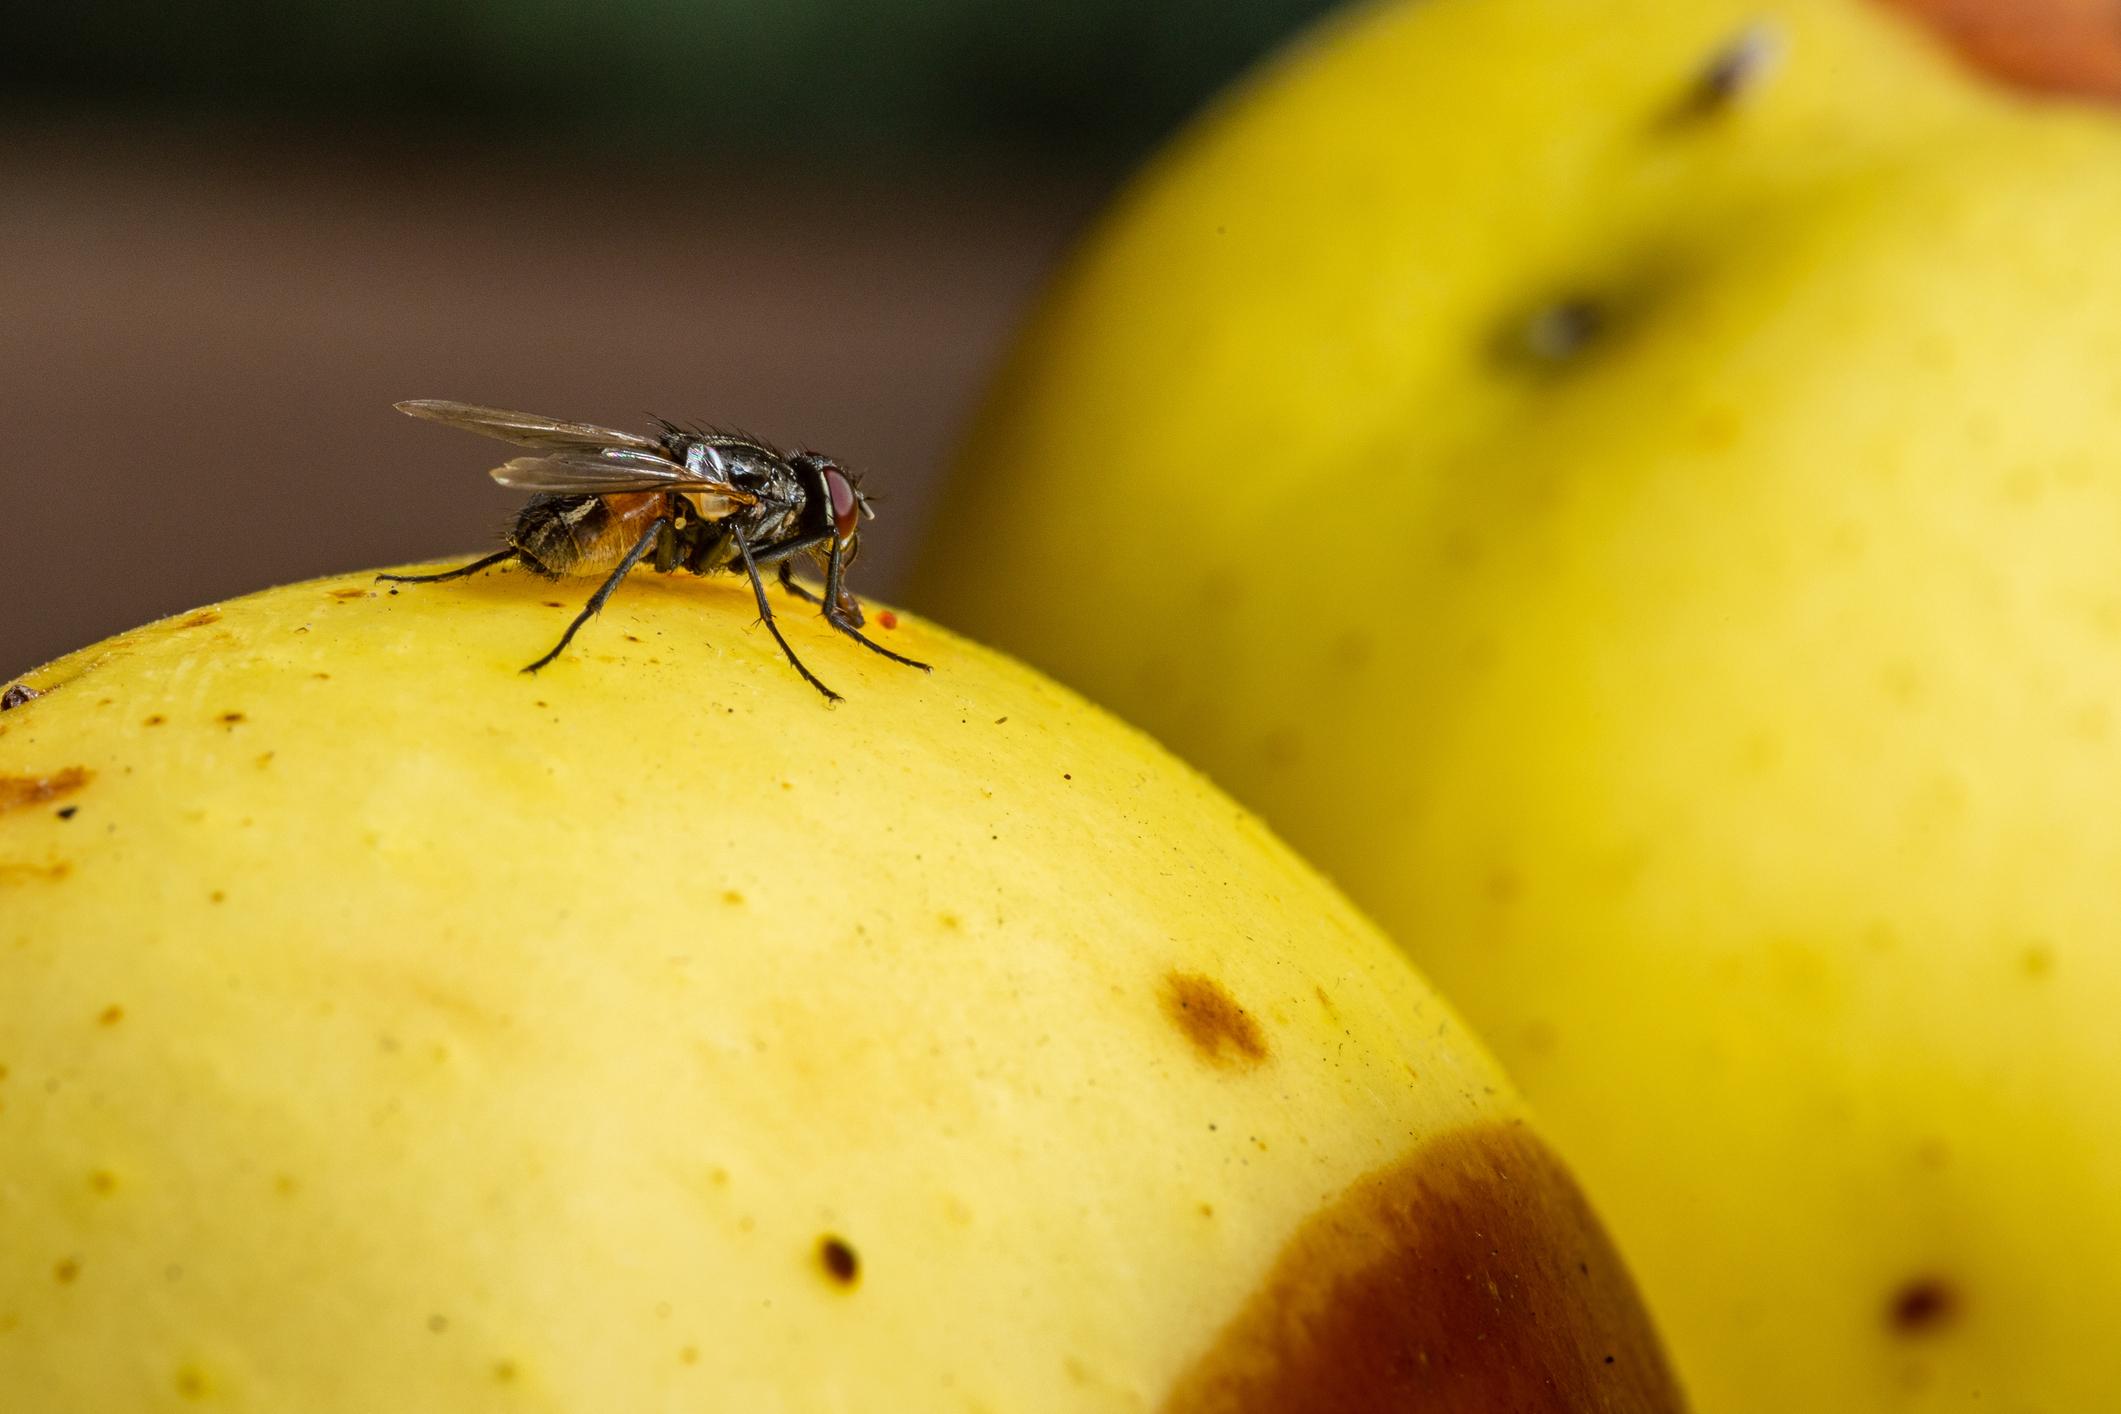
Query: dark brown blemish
(1470, 1276)
(1731, 72)
(348, 593)
(1221, 1030)
(554, 604)
(2047, 46)
(839, 1260)
(201, 619)
(154, 720)
(229, 719)
(67, 812)
(1923, 1306)
(17, 792)
(17, 693)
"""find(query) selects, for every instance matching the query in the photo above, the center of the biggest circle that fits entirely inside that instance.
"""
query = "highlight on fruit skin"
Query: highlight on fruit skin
(383, 1029)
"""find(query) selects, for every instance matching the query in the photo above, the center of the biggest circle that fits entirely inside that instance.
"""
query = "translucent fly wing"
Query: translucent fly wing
(525, 429)
(615, 469)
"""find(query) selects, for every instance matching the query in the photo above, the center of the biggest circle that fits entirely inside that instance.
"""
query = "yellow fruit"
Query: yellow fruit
(382, 1029)
(1661, 556)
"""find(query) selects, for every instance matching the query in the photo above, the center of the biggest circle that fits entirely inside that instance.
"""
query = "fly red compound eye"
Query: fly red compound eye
(846, 510)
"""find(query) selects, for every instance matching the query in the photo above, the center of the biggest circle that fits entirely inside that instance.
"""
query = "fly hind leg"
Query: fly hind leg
(652, 537)
(486, 562)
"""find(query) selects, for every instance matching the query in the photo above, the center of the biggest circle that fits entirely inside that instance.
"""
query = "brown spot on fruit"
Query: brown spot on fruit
(19, 791)
(348, 593)
(201, 619)
(839, 1260)
(191, 1383)
(155, 719)
(1469, 1276)
(66, 1271)
(12, 872)
(229, 719)
(1221, 1031)
(1922, 1306)
(2048, 46)
(110, 1015)
(17, 693)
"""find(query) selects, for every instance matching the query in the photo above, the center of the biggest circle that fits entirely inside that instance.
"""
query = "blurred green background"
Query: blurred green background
(233, 234)
(1073, 84)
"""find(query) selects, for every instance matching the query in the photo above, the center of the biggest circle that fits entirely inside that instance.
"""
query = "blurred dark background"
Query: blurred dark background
(232, 234)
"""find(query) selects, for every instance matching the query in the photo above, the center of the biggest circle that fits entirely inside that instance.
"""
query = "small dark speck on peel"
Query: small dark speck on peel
(1222, 1032)
(17, 694)
(839, 1260)
(1469, 1275)
(1922, 1306)
(886, 619)
(201, 619)
(348, 593)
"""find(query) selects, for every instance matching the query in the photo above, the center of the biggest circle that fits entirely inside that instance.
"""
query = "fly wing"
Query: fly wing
(525, 429)
(613, 469)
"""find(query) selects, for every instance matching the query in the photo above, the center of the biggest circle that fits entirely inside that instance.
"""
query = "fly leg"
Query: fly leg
(648, 541)
(835, 614)
(458, 573)
(758, 590)
(788, 583)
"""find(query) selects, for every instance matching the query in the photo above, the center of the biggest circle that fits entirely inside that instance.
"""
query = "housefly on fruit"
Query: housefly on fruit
(606, 500)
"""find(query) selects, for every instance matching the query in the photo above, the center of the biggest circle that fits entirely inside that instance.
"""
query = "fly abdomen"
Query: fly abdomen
(567, 535)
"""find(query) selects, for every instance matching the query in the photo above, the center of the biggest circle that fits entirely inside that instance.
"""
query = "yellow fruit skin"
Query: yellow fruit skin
(1724, 715)
(382, 1029)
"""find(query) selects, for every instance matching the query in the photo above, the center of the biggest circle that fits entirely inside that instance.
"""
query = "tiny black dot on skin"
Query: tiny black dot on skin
(156, 720)
(1923, 1305)
(231, 718)
(66, 812)
(840, 1262)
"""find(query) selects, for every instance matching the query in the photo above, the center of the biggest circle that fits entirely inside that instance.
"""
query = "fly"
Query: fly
(604, 500)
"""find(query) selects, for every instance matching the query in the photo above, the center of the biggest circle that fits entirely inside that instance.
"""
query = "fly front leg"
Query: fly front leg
(788, 583)
(836, 614)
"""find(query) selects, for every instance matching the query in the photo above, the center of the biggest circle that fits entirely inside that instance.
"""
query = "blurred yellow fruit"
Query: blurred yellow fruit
(1634, 492)
(384, 1030)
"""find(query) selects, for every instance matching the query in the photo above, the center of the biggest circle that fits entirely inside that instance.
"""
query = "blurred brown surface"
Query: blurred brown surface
(200, 340)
